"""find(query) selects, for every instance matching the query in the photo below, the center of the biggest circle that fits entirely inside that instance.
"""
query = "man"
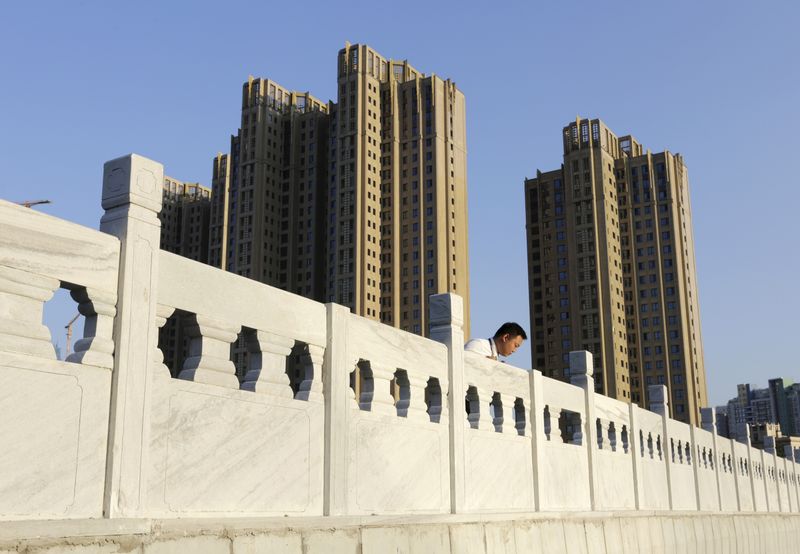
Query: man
(505, 342)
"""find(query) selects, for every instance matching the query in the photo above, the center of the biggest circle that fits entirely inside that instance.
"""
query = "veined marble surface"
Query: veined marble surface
(215, 450)
(498, 472)
(53, 432)
(397, 466)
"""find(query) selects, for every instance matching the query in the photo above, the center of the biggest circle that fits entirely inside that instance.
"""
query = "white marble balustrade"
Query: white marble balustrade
(374, 421)
(53, 414)
(498, 461)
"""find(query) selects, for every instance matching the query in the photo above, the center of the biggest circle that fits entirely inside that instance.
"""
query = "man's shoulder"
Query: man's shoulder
(478, 345)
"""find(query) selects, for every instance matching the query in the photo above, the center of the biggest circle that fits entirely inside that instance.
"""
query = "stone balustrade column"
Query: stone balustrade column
(417, 409)
(509, 424)
(97, 345)
(446, 327)
(382, 400)
(638, 447)
(553, 428)
(311, 385)
(485, 419)
(339, 405)
(659, 404)
(163, 313)
(132, 195)
(266, 371)
(603, 436)
(209, 359)
(581, 371)
(538, 436)
(22, 298)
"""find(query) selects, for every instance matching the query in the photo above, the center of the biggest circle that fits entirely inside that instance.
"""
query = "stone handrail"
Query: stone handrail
(334, 415)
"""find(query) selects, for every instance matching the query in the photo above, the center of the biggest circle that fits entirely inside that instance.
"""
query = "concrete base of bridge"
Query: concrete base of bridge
(590, 533)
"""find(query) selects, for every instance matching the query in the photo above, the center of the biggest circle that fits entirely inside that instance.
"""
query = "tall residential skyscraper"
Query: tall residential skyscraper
(611, 268)
(273, 187)
(184, 219)
(360, 202)
(398, 223)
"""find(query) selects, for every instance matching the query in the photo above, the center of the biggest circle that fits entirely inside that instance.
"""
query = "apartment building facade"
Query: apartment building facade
(611, 268)
(361, 201)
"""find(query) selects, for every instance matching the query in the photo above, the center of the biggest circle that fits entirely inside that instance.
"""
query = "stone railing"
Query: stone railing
(334, 414)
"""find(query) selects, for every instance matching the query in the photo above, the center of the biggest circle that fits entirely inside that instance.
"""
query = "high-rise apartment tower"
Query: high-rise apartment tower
(611, 268)
(360, 202)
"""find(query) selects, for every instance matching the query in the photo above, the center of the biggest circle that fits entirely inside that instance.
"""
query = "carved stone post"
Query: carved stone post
(538, 434)
(22, 298)
(132, 189)
(97, 345)
(267, 364)
(338, 405)
(446, 320)
(659, 404)
(581, 371)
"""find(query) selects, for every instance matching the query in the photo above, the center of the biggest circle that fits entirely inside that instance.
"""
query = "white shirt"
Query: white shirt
(484, 347)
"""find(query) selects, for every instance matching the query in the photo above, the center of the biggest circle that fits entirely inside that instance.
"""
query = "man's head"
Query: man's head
(509, 337)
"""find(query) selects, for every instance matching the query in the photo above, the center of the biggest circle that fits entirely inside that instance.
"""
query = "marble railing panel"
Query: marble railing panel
(496, 376)
(771, 481)
(792, 483)
(225, 296)
(681, 461)
(565, 477)
(654, 490)
(388, 347)
(397, 465)
(726, 470)
(220, 451)
(613, 454)
(758, 479)
(52, 247)
(782, 479)
(744, 480)
(398, 454)
(54, 426)
(564, 396)
(707, 466)
(498, 469)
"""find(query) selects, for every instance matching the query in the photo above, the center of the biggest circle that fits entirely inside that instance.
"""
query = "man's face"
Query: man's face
(507, 344)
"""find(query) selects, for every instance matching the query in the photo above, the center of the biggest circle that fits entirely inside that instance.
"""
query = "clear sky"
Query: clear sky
(82, 82)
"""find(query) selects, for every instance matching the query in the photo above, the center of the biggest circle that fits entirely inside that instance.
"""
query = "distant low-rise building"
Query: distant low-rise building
(773, 411)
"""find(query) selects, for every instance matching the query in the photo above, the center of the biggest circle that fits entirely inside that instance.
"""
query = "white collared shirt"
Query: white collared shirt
(484, 347)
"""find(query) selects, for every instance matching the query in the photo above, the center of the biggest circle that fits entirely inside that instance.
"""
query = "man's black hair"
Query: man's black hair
(511, 328)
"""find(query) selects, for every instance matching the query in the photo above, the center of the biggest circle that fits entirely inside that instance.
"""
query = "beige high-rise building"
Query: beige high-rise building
(184, 219)
(218, 220)
(398, 190)
(360, 202)
(274, 181)
(611, 268)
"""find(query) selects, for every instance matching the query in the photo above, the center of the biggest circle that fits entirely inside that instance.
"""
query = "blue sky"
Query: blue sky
(84, 82)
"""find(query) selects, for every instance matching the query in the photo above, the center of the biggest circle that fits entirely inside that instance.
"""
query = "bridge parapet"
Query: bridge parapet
(333, 415)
